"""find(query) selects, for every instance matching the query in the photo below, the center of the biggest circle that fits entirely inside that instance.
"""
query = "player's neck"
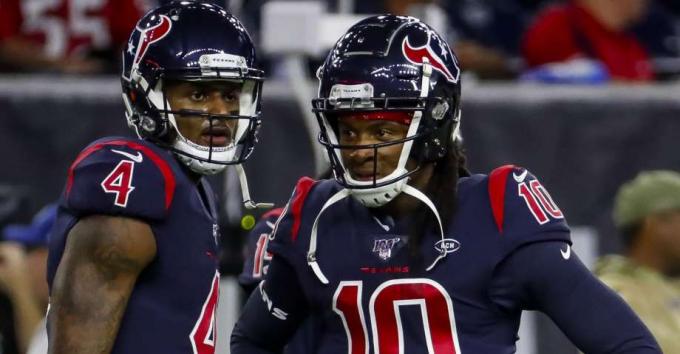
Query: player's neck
(404, 205)
(193, 176)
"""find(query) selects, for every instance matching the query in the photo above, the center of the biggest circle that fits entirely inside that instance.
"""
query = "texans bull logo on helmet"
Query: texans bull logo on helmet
(416, 54)
(152, 35)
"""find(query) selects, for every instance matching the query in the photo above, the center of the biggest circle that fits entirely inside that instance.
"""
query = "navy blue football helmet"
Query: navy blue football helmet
(382, 68)
(191, 41)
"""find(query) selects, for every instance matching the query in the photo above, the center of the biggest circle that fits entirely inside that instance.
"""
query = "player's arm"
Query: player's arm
(256, 255)
(272, 314)
(102, 258)
(549, 277)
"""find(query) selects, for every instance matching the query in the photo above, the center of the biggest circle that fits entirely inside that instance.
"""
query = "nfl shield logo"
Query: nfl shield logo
(383, 247)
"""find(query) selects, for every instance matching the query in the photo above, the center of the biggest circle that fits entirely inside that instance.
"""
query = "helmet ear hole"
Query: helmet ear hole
(433, 149)
(153, 128)
(148, 125)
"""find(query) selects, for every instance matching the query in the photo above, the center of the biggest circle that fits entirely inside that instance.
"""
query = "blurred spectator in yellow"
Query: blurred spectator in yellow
(23, 265)
(65, 36)
(593, 29)
(647, 213)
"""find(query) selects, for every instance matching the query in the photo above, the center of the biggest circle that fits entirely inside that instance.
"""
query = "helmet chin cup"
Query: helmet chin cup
(379, 196)
(201, 167)
(197, 159)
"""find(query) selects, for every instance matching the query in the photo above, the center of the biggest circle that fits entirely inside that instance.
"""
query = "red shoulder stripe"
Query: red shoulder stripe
(162, 165)
(85, 153)
(302, 189)
(497, 182)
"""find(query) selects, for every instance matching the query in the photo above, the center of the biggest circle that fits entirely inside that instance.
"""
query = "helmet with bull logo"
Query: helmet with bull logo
(201, 44)
(391, 68)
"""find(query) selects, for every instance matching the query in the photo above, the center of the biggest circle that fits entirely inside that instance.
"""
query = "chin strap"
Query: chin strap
(414, 192)
(343, 193)
(247, 202)
(311, 253)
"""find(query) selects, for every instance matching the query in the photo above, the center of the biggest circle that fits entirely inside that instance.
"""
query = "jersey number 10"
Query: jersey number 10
(539, 201)
(436, 310)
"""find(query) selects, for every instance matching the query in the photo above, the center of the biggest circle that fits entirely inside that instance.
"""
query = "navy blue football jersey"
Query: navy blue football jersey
(506, 249)
(172, 306)
(377, 301)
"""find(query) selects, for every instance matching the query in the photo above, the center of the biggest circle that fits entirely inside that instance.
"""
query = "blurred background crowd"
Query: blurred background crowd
(594, 40)
(582, 92)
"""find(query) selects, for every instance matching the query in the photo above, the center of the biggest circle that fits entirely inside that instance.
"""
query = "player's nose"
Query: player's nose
(216, 104)
(362, 154)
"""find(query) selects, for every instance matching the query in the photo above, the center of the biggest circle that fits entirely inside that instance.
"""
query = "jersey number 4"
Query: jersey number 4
(436, 310)
(119, 182)
(203, 336)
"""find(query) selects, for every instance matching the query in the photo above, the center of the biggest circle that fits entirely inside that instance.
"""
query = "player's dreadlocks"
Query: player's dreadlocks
(442, 190)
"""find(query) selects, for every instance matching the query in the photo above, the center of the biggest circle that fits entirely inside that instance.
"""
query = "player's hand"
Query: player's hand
(13, 268)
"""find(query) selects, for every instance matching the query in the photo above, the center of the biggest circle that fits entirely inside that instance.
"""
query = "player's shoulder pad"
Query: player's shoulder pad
(521, 205)
(308, 197)
(121, 176)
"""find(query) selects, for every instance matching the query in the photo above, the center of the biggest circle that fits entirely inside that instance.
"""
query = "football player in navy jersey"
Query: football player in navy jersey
(133, 256)
(405, 251)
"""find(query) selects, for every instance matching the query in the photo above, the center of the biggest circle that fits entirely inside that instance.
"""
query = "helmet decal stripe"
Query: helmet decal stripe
(398, 117)
(152, 35)
(416, 54)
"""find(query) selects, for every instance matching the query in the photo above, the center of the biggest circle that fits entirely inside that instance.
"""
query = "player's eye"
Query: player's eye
(347, 134)
(197, 96)
(230, 96)
(384, 134)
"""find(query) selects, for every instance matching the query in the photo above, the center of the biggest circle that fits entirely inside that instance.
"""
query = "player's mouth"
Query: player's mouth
(216, 136)
(364, 175)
